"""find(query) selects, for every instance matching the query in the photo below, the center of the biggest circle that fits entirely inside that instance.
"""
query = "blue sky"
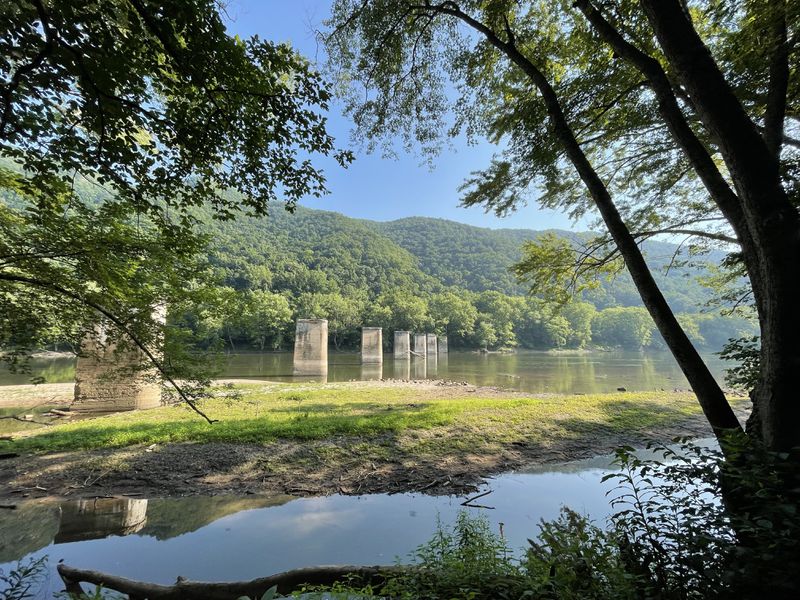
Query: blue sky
(374, 187)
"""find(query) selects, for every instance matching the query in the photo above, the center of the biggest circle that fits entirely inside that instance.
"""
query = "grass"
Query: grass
(9, 424)
(262, 414)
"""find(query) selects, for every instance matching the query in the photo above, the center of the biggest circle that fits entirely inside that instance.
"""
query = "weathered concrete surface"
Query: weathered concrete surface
(311, 347)
(113, 374)
(371, 345)
(402, 344)
(420, 345)
(442, 344)
(431, 345)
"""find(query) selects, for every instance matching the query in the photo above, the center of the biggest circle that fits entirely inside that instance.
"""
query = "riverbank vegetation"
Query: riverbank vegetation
(668, 538)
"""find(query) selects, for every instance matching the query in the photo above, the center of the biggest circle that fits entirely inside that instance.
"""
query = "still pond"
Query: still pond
(235, 538)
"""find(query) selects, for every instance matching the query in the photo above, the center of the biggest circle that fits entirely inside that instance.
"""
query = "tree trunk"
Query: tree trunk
(771, 219)
(712, 400)
(184, 589)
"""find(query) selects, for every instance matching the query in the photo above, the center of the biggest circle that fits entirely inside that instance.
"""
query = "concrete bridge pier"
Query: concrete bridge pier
(311, 348)
(442, 344)
(371, 345)
(432, 346)
(402, 344)
(420, 345)
(113, 374)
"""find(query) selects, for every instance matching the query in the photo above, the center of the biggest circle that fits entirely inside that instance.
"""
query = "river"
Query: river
(526, 371)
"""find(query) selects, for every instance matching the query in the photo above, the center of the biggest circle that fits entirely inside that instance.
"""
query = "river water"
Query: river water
(527, 371)
(235, 538)
(219, 538)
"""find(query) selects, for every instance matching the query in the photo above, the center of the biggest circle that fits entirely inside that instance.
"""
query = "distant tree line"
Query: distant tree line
(260, 319)
(401, 276)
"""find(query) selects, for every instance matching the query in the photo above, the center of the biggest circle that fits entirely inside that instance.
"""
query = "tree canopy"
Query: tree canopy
(656, 116)
(117, 118)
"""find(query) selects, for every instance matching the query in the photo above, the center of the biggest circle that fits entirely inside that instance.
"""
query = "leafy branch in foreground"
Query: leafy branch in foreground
(117, 120)
(655, 117)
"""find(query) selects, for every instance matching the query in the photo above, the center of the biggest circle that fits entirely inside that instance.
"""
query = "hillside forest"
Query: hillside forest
(423, 274)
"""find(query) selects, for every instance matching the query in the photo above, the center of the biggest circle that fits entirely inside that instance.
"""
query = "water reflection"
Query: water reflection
(232, 538)
(526, 371)
(402, 368)
(237, 541)
(371, 371)
(420, 370)
(100, 517)
(433, 366)
(37, 524)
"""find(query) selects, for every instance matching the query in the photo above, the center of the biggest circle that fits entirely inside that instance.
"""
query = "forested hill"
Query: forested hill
(420, 273)
(473, 258)
(478, 259)
(313, 250)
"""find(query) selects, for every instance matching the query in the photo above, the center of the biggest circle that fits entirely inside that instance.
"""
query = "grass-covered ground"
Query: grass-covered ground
(261, 414)
(328, 433)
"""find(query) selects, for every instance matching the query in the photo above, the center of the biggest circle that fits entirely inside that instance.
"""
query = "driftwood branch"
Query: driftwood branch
(184, 589)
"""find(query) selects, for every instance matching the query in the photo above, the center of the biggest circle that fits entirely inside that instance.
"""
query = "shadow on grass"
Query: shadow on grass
(623, 419)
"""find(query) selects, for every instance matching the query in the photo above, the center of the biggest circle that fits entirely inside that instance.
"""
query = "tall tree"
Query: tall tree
(154, 109)
(674, 118)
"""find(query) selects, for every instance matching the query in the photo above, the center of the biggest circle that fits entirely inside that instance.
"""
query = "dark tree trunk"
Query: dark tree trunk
(712, 399)
(770, 218)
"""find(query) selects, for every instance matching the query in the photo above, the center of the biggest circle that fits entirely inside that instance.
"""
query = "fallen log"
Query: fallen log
(184, 589)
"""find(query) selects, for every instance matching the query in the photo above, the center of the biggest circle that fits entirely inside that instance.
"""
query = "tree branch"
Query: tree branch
(670, 111)
(720, 237)
(711, 397)
(16, 80)
(119, 323)
(184, 589)
(778, 79)
(754, 168)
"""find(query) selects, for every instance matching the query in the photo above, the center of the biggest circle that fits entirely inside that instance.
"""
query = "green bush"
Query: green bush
(575, 560)
(692, 524)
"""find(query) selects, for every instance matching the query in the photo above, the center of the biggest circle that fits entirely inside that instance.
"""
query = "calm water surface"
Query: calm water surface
(527, 371)
(233, 538)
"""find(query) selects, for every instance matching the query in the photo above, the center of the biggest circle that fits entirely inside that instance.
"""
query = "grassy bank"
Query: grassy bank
(436, 420)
